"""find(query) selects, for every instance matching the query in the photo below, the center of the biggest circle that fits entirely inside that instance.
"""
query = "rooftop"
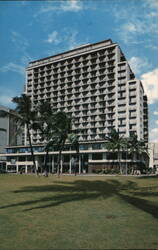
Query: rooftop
(77, 49)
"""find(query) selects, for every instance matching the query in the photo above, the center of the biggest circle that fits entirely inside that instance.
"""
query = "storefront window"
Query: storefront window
(84, 147)
(97, 156)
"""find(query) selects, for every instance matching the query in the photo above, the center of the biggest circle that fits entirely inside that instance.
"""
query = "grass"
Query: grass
(78, 212)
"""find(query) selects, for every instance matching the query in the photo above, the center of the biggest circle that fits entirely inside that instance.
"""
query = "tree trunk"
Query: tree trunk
(126, 162)
(59, 159)
(31, 148)
(133, 163)
(119, 160)
(114, 166)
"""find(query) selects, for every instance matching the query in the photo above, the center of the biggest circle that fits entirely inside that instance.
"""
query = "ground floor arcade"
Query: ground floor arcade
(89, 160)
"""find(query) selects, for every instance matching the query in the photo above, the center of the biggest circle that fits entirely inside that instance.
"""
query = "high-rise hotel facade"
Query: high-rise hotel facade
(94, 84)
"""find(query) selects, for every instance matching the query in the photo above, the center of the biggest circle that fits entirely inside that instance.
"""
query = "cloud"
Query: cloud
(6, 100)
(132, 25)
(150, 83)
(25, 59)
(19, 40)
(127, 32)
(153, 14)
(152, 7)
(131, 30)
(71, 5)
(14, 68)
(68, 39)
(155, 113)
(151, 46)
(153, 135)
(156, 122)
(153, 4)
(138, 64)
(64, 6)
(6, 95)
(72, 40)
(21, 44)
(53, 38)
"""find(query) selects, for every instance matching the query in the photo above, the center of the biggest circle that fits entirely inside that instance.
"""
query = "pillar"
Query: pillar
(104, 155)
(52, 163)
(79, 167)
(61, 168)
(70, 168)
(89, 158)
(17, 168)
(36, 162)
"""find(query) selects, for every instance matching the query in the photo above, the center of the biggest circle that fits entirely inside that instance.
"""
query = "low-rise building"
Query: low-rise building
(8, 135)
(153, 153)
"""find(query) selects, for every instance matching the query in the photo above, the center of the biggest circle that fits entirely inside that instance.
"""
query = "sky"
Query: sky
(31, 30)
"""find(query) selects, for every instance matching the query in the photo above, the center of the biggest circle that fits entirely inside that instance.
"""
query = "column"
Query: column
(26, 159)
(104, 155)
(6, 167)
(36, 161)
(70, 170)
(61, 168)
(52, 163)
(79, 167)
(89, 158)
(17, 168)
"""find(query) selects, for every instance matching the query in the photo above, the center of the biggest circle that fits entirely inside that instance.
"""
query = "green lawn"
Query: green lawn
(78, 212)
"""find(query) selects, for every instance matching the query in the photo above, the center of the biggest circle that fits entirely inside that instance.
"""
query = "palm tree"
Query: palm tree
(133, 146)
(125, 151)
(45, 124)
(23, 115)
(115, 143)
(62, 128)
(55, 129)
(144, 152)
(136, 147)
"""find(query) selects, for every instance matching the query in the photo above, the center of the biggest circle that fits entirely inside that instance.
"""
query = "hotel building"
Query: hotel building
(95, 84)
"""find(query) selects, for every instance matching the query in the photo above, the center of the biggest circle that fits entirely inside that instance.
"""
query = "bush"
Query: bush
(106, 171)
(96, 171)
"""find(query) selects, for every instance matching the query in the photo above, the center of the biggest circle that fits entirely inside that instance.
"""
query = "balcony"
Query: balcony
(109, 104)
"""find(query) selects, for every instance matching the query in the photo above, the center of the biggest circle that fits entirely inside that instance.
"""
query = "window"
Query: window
(97, 156)
(22, 158)
(96, 146)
